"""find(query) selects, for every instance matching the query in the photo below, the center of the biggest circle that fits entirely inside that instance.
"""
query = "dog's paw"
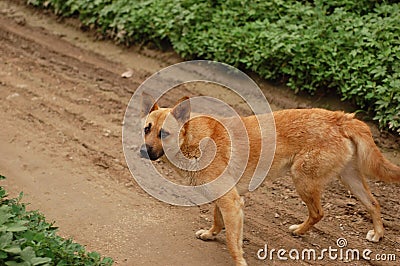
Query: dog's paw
(204, 235)
(297, 229)
(373, 237)
(294, 228)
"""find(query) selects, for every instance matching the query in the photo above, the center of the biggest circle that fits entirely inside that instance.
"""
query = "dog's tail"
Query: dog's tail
(371, 162)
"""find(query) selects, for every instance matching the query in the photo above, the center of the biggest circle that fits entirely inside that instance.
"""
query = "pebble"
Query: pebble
(350, 203)
(107, 132)
(14, 95)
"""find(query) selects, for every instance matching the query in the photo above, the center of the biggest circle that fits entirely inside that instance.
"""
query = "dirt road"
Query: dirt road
(62, 106)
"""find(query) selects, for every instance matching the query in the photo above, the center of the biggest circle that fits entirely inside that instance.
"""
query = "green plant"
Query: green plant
(27, 239)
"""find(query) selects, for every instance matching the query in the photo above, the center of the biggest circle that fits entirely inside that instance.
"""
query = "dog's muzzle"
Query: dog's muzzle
(147, 152)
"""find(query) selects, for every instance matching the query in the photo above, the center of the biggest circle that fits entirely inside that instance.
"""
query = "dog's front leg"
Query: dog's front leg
(231, 207)
(215, 229)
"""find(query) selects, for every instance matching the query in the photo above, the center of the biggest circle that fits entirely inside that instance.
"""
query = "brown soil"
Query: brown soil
(62, 106)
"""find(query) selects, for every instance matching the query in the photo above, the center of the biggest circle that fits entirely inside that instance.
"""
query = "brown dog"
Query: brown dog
(312, 145)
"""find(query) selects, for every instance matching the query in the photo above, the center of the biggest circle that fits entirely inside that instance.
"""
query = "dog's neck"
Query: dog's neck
(199, 140)
(198, 129)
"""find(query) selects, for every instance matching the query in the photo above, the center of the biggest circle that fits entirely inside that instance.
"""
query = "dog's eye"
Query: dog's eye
(163, 134)
(147, 129)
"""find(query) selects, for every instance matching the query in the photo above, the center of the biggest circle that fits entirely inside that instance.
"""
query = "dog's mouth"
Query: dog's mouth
(147, 152)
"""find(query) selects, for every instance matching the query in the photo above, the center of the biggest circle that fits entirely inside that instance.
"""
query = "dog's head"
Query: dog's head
(162, 126)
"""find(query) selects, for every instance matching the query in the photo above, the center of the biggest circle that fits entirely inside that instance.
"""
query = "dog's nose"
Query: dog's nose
(144, 151)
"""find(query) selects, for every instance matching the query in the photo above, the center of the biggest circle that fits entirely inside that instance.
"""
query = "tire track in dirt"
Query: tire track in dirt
(48, 101)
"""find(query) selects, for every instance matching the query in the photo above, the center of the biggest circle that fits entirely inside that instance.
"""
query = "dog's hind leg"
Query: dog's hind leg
(355, 182)
(309, 190)
(215, 229)
(312, 198)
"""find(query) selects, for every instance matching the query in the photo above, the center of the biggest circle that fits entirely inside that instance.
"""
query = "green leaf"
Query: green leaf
(13, 263)
(40, 261)
(5, 214)
(94, 255)
(17, 227)
(3, 254)
(27, 254)
(5, 239)
(13, 249)
(107, 261)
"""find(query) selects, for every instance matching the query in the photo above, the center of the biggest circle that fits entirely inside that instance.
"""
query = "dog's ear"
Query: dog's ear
(148, 104)
(181, 110)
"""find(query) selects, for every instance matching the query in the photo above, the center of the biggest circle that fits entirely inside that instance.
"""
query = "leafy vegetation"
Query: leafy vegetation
(351, 46)
(27, 239)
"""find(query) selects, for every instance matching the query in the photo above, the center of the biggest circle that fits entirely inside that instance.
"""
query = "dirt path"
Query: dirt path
(62, 105)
